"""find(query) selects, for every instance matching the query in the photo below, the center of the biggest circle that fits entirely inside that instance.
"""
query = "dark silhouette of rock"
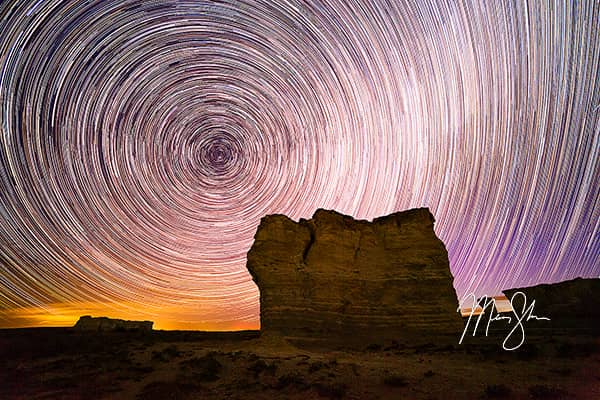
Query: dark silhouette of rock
(88, 323)
(570, 305)
(336, 277)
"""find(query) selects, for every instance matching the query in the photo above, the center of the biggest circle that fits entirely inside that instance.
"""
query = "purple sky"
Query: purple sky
(141, 143)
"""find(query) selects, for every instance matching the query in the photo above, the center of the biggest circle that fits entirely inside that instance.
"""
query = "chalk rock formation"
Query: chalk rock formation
(336, 277)
(88, 323)
(570, 305)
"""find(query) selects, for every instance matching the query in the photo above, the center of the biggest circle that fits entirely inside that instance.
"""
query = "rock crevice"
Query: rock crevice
(334, 276)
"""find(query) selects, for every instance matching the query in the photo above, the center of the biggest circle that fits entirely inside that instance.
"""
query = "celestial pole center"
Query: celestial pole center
(142, 142)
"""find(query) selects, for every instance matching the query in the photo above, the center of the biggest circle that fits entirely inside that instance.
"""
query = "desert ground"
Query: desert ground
(61, 363)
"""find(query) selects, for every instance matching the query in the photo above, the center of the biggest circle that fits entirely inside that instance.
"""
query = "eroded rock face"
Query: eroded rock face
(570, 305)
(333, 276)
(88, 323)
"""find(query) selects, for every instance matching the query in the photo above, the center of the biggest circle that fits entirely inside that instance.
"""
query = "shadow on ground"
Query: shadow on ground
(60, 363)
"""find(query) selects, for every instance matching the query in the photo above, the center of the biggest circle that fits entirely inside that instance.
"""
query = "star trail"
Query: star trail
(142, 141)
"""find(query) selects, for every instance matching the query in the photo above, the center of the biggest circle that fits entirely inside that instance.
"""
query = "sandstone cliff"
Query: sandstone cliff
(570, 305)
(336, 277)
(88, 323)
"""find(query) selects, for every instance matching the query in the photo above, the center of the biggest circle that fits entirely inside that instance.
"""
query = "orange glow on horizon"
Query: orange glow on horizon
(501, 305)
(175, 317)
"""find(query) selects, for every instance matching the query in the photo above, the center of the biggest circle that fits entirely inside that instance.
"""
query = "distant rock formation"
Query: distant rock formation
(88, 323)
(334, 277)
(570, 305)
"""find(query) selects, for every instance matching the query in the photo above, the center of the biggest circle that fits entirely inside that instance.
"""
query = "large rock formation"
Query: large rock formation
(338, 278)
(571, 305)
(88, 323)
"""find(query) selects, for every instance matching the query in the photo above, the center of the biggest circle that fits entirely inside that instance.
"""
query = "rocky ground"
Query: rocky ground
(60, 363)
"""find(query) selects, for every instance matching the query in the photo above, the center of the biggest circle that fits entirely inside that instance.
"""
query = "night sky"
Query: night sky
(142, 141)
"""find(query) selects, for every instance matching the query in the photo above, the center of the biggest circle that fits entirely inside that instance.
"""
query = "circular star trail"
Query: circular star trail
(142, 142)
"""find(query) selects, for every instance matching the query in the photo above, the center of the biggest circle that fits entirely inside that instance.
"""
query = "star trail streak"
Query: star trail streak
(142, 141)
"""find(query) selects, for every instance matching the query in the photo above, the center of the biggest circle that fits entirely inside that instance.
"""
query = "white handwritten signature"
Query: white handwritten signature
(526, 315)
